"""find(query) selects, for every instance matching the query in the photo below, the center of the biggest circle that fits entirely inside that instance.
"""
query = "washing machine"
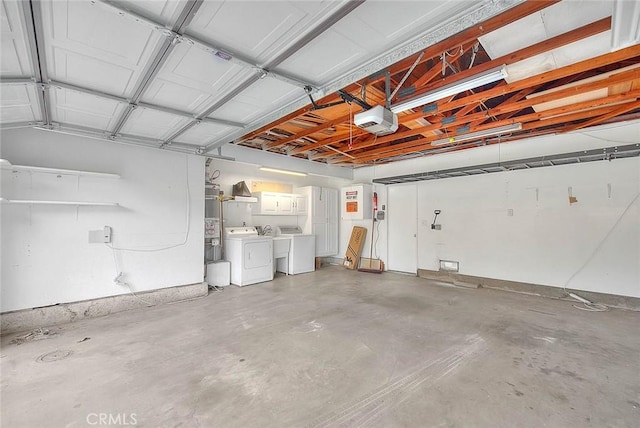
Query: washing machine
(302, 251)
(250, 255)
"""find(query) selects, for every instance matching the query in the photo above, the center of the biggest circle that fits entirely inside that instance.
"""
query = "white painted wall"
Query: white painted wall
(379, 233)
(46, 257)
(591, 245)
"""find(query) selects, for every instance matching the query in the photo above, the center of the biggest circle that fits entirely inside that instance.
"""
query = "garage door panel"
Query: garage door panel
(14, 60)
(19, 104)
(70, 107)
(93, 46)
(153, 124)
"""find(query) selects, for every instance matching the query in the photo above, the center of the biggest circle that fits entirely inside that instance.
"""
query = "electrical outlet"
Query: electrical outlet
(436, 226)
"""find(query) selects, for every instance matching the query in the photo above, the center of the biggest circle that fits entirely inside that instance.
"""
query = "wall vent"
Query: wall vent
(449, 265)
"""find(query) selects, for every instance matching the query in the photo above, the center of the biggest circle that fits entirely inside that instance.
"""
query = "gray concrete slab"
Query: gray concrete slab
(332, 348)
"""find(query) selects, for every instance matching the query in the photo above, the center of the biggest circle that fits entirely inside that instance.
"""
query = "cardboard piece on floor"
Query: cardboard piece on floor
(371, 265)
(352, 257)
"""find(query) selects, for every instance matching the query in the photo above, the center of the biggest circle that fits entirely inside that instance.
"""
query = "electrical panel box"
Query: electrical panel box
(356, 202)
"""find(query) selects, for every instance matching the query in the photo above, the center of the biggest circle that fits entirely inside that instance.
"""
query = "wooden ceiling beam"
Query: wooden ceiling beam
(516, 106)
(474, 120)
(596, 120)
(356, 132)
(536, 49)
(437, 68)
(593, 63)
(301, 111)
(309, 131)
(513, 99)
(558, 41)
(544, 118)
(531, 126)
(531, 134)
(323, 126)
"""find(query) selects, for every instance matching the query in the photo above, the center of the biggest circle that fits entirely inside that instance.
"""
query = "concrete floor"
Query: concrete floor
(333, 348)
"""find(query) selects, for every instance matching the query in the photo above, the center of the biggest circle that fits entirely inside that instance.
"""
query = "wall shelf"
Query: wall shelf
(74, 203)
(5, 164)
(248, 199)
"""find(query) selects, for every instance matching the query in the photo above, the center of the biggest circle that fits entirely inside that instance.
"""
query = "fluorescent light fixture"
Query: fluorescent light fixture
(454, 88)
(476, 135)
(282, 171)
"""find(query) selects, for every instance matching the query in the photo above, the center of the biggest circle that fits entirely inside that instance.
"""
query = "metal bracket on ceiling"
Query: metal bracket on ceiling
(346, 98)
(308, 90)
(262, 72)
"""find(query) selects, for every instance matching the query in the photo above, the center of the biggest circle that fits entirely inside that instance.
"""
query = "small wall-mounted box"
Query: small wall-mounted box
(102, 236)
(356, 202)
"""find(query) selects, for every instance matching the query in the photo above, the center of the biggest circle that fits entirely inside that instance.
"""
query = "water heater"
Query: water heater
(356, 202)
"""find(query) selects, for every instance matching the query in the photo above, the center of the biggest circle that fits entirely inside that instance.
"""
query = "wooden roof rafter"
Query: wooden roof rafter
(443, 105)
(550, 76)
(531, 121)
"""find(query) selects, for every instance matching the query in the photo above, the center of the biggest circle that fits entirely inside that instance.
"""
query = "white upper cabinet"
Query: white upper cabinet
(274, 203)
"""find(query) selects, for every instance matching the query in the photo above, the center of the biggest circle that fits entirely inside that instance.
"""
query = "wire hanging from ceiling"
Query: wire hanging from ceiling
(350, 126)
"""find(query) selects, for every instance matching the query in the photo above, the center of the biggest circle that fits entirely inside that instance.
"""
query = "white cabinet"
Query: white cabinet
(274, 203)
(300, 204)
(322, 218)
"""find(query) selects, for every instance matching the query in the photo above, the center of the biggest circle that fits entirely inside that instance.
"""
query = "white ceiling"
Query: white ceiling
(113, 71)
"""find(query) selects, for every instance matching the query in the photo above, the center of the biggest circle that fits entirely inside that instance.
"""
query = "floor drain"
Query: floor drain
(54, 356)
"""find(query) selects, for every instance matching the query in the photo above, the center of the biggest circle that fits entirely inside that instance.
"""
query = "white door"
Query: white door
(268, 203)
(319, 204)
(257, 254)
(319, 230)
(403, 228)
(333, 221)
(285, 204)
(300, 204)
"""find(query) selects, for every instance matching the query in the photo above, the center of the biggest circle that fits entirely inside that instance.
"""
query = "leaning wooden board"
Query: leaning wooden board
(351, 258)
